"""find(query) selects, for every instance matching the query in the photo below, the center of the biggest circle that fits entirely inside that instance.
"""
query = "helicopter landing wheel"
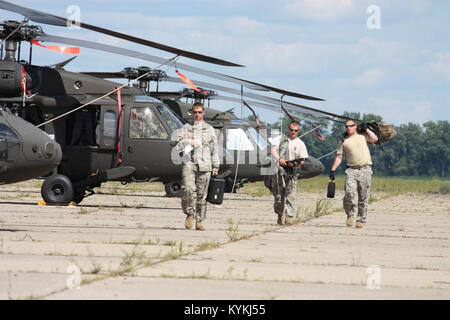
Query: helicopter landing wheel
(57, 189)
(173, 189)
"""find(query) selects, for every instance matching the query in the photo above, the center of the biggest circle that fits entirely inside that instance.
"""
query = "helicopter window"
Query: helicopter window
(262, 143)
(109, 128)
(145, 125)
(238, 140)
(80, 128)
(172, 121)
(6, 131)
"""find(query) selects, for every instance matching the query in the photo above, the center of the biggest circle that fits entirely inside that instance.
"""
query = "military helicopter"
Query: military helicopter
(246, 149)
(107, 131)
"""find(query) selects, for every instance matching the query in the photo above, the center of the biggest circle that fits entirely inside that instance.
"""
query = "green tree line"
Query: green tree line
(416, 150)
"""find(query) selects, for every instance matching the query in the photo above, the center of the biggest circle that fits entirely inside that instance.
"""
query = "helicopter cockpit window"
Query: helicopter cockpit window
(6, 131)
(173, 122)
(238, 140)
(9, 143)
(145, 125)
(109, 128)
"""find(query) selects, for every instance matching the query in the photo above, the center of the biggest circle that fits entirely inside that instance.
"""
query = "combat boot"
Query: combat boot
(289, 221)
(281, 219)
(359, 224)
(350, 221)
(189, 221)
(199, 226)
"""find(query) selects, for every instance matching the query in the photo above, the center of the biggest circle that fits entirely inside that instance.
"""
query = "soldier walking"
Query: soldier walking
(198, 141)
(354, 147)
(284, 183)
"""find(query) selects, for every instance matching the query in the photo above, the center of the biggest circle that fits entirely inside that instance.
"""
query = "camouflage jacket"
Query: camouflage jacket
(206, 153)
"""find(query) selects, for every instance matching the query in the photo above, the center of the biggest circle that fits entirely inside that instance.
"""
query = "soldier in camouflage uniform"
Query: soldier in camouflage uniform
(198, 141)
(354, 147)
(284, 183)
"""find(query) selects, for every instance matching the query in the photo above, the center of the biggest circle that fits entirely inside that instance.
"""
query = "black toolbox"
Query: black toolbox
(215, 190)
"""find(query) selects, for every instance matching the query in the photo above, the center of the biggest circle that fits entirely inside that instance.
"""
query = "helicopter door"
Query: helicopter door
(106, 131)
(146, 144)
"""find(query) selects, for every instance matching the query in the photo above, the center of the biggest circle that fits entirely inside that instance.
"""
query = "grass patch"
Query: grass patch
(321, 207)
(390, 185)
(232, 231)
(206, 246)
(115, 187)
(170, 243)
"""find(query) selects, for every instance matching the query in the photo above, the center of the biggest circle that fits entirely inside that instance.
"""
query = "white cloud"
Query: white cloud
(362, 61)
(369, 78)
(338, 10)
(320, 10)
(401, 112)
(441, 66)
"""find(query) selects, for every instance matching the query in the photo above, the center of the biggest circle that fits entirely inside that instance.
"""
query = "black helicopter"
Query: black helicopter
(247, 162)
(107, 131)
(246, 144)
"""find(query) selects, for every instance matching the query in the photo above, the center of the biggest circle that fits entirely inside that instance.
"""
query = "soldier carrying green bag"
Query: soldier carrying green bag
(354, 147)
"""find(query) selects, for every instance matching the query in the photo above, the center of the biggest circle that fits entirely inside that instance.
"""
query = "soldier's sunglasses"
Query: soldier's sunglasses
(350, 125)
(294, 130)
(197, 112)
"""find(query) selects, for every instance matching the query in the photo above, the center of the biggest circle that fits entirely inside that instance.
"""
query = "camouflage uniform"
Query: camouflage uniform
(284, 185)
(358, 175)
(284, 191)
(357, 190)
(197, 168)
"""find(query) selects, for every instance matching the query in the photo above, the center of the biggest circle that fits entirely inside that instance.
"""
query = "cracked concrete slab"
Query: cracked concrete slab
(122, 244)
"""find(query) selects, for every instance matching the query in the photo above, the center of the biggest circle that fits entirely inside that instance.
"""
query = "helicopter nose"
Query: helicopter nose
(26, 152)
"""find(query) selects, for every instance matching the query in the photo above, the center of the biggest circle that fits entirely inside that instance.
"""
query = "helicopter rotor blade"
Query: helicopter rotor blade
(34, 15)
(147, 57)
(268, 106)
(274, 102)
(285, 92)
(46, 18)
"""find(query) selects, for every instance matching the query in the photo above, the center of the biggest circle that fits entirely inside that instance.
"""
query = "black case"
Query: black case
(331, 189)
(215, 190)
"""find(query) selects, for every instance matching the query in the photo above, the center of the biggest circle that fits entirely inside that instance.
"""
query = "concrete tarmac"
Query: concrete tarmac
(133, 245)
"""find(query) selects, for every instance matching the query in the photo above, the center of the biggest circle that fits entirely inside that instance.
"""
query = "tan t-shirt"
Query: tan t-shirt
(296, 149)
(355, 150)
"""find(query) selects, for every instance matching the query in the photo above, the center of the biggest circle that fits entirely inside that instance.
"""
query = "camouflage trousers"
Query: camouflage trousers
(194, 191)
(357, 191)
(284, 193)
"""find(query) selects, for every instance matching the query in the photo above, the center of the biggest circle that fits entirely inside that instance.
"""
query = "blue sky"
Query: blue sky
(321, 48)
